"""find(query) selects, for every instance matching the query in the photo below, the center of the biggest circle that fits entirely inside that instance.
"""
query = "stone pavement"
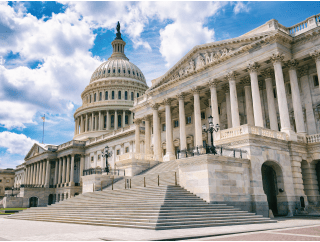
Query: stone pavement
(11, 229)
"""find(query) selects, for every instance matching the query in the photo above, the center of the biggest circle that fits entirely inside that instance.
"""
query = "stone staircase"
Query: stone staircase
(163, 207)
(167, 172)
(167, 206)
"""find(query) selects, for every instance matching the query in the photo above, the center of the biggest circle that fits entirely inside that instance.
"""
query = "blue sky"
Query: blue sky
(48, 51)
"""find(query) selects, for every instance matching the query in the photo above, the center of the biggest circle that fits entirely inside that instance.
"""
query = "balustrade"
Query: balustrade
(314, 138)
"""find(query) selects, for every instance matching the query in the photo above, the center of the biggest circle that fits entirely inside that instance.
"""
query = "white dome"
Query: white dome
(118, 67)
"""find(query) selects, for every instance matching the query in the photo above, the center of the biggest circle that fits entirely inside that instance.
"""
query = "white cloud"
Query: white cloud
(241, 7)
(16, 143)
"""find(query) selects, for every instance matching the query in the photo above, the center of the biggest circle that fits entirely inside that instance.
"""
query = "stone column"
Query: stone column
(156, 133)
(249, 105)
(96, 124)
(147, 135)
(81, 165)
(281, 93)
(86, 124)
(72, 171)
(137, 135)
(310, 119)
(108, 120)
(169, 136)
(123, 118)
(296, 101)
(92, 119)
(64, 170)
(60, 171)
(81, 124)
(40, 173)
(68, 170)
(36, 173)
(75, 126)
(115, 120)
(47, 182)
(316, 56)
(197, 117)
(228, 107)
(233, 100)
(131, 117)
(182, 122)
(26, 176)
(214, 102)
(257, 110)
(44, 173)
(100, 121)
(55, 180)
(270, 96)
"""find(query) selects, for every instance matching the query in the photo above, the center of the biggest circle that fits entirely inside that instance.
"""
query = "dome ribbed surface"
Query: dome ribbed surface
(118, 68)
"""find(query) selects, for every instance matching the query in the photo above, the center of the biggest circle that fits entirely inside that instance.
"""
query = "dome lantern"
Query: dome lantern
(118, 45)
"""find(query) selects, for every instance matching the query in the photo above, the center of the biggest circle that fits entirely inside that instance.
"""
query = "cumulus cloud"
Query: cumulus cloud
(16, 143)
(241, 7)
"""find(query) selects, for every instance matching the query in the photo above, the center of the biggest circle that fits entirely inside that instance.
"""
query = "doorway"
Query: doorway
(269, 179)
(33, 202)
(50, 199)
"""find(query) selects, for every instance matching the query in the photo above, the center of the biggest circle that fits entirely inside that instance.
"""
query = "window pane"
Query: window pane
(106, 97)
(132, 96)
(112, 94)
(119, 94)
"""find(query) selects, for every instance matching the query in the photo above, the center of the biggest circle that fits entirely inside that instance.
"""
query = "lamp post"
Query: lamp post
(212, 128)
(12, 191)
(106, 153)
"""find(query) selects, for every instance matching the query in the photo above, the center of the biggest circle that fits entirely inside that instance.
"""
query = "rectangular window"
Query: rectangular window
(126, 95)
(127, 119)
(100, 98)
(112, 94)
(112, 120)
(127, 149)
(95, 97)
(315, 81)
(105, 121)
(106, 95)
(175, 123)
(91, 158)
(118, 152)
(119, 121)
(188, 120)
(203, 115)
(163, 127)
(119, 95)
(131, 96)
(137, 95)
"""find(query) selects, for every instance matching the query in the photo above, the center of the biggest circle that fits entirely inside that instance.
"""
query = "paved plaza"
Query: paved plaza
(285, 229)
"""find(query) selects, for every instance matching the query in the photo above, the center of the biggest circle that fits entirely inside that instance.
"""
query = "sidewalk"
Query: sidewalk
(12, 229)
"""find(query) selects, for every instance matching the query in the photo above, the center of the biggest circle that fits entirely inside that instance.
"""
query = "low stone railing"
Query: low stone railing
(135, 156)
(304, 26)
(314, 138)
(247, 129)
(72, 143)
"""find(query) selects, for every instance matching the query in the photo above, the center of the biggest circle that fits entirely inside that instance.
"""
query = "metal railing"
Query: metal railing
(116, 172)
(217, 150)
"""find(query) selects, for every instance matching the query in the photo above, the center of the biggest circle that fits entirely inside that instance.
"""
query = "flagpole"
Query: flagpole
(43, 118)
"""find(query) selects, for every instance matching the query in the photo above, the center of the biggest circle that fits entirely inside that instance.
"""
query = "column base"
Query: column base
(292, 135)
(169, 157)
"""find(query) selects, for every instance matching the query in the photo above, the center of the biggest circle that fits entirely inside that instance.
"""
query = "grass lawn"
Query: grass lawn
(15, 209)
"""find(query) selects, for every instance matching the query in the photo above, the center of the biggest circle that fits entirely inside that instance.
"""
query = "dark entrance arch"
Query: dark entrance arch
(50, 199)
(33, 202)
(269, 179)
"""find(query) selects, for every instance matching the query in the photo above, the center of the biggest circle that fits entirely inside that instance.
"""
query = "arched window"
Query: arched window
(109, 71)
(100, 98)
(106, 95)
(133, 72)
(112, 95)
(119, 95)
(137, 94)
(95, 97)
(129, 72)
(119, 121)
(126, 95)
(132, 96)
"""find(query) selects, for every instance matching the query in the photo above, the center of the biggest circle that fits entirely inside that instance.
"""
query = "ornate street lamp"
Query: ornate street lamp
(212, 128)
(12, 191)
(106, 153)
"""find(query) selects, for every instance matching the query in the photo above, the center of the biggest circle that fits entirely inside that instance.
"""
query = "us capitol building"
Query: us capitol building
(261, 93)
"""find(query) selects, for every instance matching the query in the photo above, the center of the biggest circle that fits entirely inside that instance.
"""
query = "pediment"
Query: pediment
(206, 55)
(34, 151)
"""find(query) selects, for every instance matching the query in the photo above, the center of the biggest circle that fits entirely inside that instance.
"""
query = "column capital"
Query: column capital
(245, 81)
(167, 101)
(315, 55)
(226, 88)
(277, 57)
(231, 76)
(252, 67)
(180, 96)
(195, 90)
(267, 73)
(292, 64)
(148, 117)
(303, 71)
(213, 82)
(154, 106)
(137, 121)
